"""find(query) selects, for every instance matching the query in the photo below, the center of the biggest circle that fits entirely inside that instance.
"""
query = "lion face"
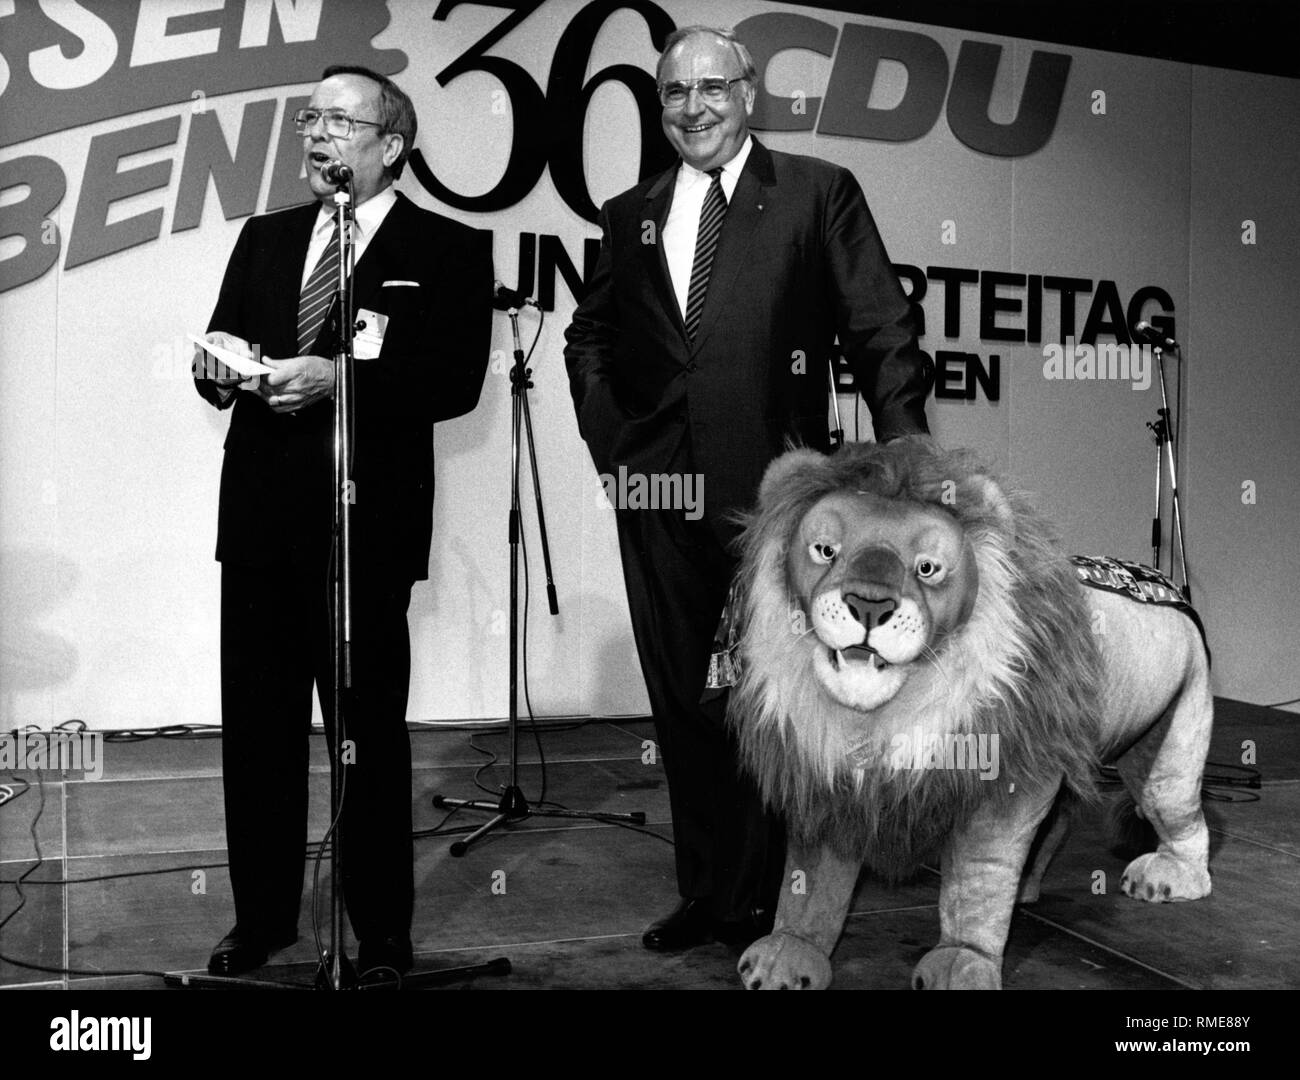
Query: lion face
(894, 587)
(880, 582)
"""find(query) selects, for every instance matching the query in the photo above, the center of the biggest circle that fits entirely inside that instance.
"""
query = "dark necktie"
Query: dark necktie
(706, 244)
(317, 295)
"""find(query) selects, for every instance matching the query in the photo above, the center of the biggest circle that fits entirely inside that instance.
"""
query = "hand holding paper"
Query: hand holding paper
(296, 382)
(224, 358)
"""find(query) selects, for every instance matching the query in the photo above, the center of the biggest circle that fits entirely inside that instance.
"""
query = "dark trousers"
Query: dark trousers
(727, 847)
(276, 644)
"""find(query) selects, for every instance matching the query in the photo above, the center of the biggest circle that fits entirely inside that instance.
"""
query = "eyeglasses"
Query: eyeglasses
(714, 91)
(338, 124)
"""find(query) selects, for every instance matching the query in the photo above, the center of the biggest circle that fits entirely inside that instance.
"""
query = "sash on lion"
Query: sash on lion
(923, 673)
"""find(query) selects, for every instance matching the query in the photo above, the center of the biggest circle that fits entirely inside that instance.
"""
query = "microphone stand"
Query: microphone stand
(512, 807)
(1164, 431)
(335, 971)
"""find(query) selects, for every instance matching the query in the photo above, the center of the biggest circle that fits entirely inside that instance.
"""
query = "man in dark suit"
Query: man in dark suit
(422, 284)
(701, 346)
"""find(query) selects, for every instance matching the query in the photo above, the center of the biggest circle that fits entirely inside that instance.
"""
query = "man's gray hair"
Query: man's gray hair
(747, 67)
(396, 111)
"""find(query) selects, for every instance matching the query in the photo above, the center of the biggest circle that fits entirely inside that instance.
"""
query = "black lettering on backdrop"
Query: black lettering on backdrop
(999, 302)
(991, 303)
(543, 256)
(567, 101)
(527, 264)
(1162, 320)
(552, 257)
(1067, 287)
(956, 375)
(527, 106)
(548, 128)
(953, 278)
(1106, 316)
(1034, 313)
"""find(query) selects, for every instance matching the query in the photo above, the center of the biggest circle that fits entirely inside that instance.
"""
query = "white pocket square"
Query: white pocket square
(413, 284)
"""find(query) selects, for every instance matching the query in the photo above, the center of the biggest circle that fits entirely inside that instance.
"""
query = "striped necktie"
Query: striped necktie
(706, 244)
(318, 294)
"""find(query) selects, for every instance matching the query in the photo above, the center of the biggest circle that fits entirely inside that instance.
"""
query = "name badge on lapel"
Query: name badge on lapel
(371, 327)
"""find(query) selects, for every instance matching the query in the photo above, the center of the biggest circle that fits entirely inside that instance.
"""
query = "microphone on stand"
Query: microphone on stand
(504, 299)
(1146, 334)
(336, 173)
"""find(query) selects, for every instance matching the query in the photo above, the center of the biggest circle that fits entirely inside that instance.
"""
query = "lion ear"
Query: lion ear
(791, 473)
(985, 494)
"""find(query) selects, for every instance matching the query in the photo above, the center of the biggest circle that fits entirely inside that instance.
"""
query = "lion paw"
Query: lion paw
(1160, 877)
(782, 961)
(952, 967)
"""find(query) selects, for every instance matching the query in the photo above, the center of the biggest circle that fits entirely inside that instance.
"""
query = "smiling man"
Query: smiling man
(422, 285)
(701, 346)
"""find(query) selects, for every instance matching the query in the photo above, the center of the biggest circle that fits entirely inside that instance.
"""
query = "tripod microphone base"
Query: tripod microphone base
(513, 808)
(416, 980)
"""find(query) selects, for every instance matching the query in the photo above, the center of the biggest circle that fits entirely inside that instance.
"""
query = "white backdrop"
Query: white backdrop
(109, 462)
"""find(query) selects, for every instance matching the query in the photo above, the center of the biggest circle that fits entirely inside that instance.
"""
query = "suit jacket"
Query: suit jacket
(277, 491)
(798, 262)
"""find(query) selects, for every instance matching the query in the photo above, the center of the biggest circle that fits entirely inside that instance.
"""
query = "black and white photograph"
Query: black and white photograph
(649, 495)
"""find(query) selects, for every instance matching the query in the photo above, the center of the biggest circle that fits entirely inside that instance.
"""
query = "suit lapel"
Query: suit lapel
(367, 274)
(752, 198)
(658, 202)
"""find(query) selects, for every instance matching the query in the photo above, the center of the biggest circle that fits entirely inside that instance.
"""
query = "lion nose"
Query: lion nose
(870, 613)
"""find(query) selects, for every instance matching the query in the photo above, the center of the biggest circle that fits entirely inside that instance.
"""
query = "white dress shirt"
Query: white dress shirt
(683, 225)
(366, 221)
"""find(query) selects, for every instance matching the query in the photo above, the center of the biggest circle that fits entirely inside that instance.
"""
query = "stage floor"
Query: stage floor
(136, 845)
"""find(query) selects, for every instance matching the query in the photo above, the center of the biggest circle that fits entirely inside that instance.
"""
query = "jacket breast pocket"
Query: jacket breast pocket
(402, 307)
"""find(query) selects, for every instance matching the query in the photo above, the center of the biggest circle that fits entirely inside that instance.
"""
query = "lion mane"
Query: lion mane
(1024, 666)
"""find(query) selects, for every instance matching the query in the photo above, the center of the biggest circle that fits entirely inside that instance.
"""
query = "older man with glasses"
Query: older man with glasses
(700, 348)
(422, 284)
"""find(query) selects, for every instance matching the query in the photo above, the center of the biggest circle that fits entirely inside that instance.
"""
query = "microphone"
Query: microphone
(1147, 334)
(336, 173)
(503, 299)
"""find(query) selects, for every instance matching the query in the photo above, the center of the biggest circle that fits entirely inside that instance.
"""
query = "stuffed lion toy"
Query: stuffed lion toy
(922, 673)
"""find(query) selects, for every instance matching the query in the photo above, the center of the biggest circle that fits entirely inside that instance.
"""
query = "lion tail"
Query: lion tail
(1131, 834)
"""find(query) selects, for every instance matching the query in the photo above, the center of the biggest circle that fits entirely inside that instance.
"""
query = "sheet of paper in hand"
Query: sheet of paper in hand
(243, 365)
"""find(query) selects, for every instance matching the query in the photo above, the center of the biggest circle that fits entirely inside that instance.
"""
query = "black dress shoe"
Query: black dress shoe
(385, 955)
(744, 931)
(688, 924)
(241, 951)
